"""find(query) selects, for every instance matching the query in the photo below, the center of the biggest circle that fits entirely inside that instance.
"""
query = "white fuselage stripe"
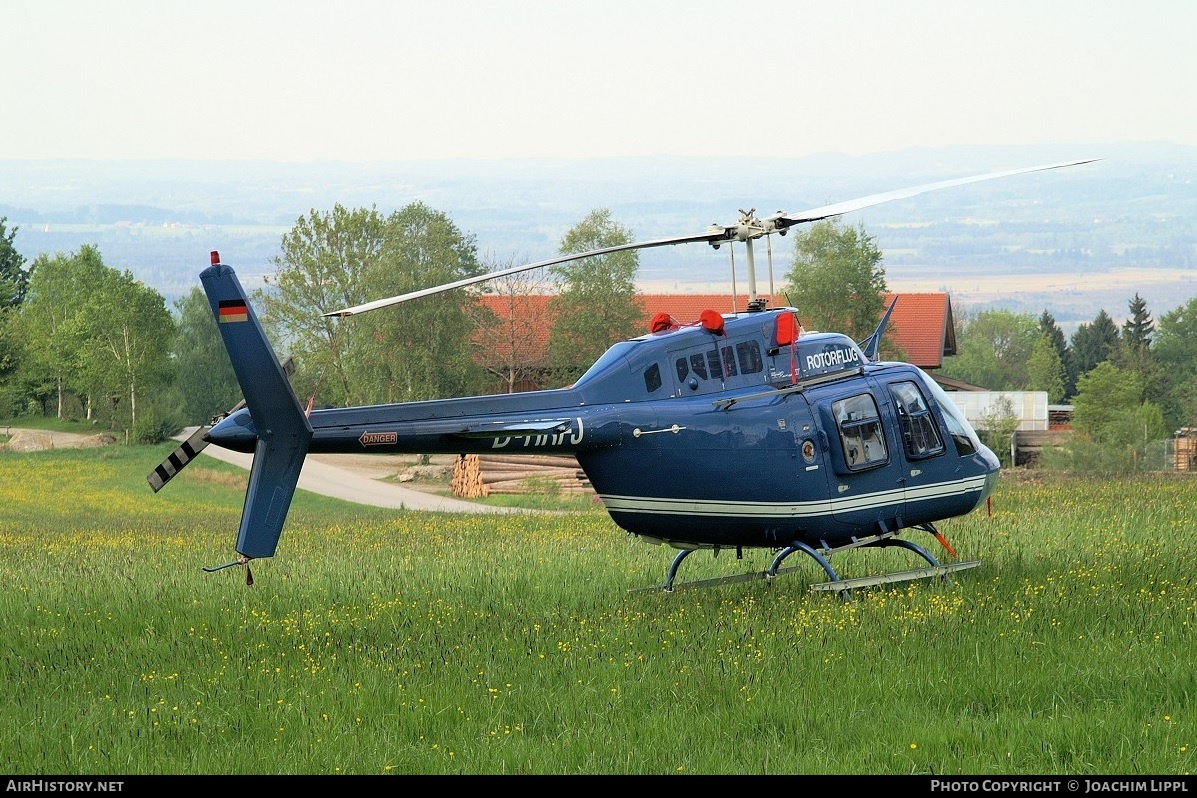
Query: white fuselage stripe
(652, 505)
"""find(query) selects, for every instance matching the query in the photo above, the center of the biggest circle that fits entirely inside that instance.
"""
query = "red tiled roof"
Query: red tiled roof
(684, 308)
(922, 326)
(921, 323)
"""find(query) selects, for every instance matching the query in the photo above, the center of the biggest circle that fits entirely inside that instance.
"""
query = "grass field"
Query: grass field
(381, 641)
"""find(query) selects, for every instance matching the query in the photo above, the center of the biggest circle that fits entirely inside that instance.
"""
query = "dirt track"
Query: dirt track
(357, 478)
(351, 477)
(36, 440)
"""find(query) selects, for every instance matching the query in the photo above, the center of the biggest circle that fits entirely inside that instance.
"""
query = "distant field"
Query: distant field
(1070, 297)
(1136, 209)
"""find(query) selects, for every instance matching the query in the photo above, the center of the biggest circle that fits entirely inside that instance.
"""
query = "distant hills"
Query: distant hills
(1072, 241)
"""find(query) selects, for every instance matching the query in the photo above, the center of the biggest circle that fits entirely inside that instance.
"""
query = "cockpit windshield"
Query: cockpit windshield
(962, 432)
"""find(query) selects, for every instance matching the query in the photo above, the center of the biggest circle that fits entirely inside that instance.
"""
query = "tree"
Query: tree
(1049, 327)
(1112, 427)
(126, 334)
(596, 301)
(1181, 407)
(1133, 352)
(204, 375)
(424, 348)
(509, 342)
(322, 266)
(12, 395)
(1092, 343)
(994, 348)
(1045, 370)
(837, 281)
(1104, 394)
(14, 280)
(996, 428)
(416, 350)
(1137, 329)
(59, 287)
(1175, 344)
(1175, 350)
(13, 283)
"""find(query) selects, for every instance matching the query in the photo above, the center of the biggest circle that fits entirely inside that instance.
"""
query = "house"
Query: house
(516, 348)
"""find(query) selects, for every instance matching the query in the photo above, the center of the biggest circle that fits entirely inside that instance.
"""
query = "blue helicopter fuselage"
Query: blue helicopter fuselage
(699, 438)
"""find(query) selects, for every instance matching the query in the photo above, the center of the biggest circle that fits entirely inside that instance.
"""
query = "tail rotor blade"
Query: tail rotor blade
(177, 459)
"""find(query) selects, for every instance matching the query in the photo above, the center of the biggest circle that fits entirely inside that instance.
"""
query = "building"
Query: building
(516, 348)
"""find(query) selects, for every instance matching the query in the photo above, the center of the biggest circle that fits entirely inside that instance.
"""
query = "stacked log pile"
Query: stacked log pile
(467, 478)
(490, 474)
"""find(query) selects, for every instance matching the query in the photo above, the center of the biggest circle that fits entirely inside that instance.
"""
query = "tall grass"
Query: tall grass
(402, 642)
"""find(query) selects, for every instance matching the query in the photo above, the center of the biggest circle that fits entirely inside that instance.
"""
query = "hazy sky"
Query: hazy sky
(296, 80)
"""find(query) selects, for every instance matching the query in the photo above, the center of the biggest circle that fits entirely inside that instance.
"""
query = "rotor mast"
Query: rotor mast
(748, 229)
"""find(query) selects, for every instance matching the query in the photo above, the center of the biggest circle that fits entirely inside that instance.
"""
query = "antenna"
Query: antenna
(769, 249)
(731, 251)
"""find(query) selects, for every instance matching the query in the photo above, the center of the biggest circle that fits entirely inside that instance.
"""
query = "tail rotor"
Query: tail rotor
(195, 443)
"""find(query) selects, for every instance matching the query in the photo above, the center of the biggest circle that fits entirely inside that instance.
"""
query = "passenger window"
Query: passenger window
(861, 436)
(749, 355)
(652, 377)
(919, 433)
(714, 364)
(698, 365)
(682, 369)
(729, 361)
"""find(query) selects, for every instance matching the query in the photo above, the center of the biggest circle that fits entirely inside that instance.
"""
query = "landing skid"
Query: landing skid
(843, 586)
(896, 576)
(750, 576)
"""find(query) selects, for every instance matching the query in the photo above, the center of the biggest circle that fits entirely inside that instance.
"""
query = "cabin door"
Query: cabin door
(865, 481)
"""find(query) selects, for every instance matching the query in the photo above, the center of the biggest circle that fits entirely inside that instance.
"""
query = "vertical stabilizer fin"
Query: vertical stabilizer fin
(282, 429)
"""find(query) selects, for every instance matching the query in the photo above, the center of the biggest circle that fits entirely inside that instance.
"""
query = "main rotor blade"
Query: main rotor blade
(784, 220)
(745, 229)
(716, 232)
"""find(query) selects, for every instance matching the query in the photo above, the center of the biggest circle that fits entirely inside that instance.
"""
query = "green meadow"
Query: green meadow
(381, 641)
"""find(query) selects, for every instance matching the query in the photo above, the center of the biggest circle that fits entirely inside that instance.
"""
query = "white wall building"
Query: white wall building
(1030, 407)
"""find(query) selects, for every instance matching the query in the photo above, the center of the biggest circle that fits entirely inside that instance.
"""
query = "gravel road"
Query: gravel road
(354, 478)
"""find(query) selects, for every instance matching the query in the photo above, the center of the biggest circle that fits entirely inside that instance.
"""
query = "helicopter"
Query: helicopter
(733, 431)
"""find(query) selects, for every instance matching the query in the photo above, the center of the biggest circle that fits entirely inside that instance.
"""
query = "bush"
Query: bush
(996, 429)
(1082, 456)
(151, 428)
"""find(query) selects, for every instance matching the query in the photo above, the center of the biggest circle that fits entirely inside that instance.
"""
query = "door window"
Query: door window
(861, 436)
